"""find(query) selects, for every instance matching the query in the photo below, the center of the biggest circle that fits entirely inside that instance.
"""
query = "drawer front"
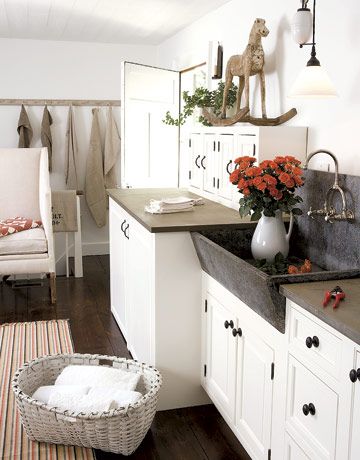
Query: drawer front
(310, 340)
(318, 429)
(293, 451)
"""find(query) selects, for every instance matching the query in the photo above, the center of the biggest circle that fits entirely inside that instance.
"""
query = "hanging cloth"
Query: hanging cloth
(24, 129)
(71, 153)
(94, 177)
(111, 151)
(46, 138)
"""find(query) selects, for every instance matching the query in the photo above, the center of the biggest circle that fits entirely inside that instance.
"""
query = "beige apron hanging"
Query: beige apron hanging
(71, 153)
(111, 151)
(46, 138)
(24, 129)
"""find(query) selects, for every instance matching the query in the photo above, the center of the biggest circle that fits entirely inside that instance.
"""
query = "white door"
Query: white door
(195, 156)
(254, 393)
(225, 165)
(355, 426)
(208, 163)
(149, 147)
(246, 145)
(220, 356)
(139, 291)
(117, 219)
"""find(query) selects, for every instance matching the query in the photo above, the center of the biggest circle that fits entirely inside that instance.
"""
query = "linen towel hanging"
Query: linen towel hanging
(24, 129)
(94, 177)
(111, 151)
(71, 153)
(64, 211)
(46, 138)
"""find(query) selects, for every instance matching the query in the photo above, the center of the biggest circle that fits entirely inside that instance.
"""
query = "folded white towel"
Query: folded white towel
(98, 376)
(155, 210)
(85, 403)
(120, 398)
(170, 205)
(182, 200)
(44, 393)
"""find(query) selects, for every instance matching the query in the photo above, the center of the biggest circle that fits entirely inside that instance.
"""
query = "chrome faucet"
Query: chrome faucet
(329, 210)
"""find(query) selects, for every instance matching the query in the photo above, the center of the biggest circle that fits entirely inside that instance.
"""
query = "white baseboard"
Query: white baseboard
(95, 249)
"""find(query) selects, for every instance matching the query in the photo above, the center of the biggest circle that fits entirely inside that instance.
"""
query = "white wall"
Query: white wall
(63, 70)
(334, 124)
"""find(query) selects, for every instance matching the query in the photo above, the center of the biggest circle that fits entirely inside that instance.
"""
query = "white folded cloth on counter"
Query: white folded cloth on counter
(44, 393)
(120, 398)
(170, 205)
(96, 376)
(84, 403)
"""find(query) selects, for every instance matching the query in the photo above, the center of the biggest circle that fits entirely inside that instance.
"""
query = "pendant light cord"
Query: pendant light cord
(313, 60)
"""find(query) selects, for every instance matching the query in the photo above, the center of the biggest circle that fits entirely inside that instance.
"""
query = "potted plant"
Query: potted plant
(268, 190)
(202, 98)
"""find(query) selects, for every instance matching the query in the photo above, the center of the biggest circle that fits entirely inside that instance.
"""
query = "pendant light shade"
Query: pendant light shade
(301, 26)
(313, 82)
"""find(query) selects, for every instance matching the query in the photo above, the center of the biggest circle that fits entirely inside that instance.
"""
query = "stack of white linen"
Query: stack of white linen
(97, 389)
(170, 205)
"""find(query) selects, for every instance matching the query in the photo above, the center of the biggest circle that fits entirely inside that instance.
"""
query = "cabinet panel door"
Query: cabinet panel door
(220, 357)
(319, 429)
(209, 162)
(139, 282)
(355, 426)
(246, 145)
(196, 154)
(225, 164)
(117, 219)
(293, 451)
(254, 393)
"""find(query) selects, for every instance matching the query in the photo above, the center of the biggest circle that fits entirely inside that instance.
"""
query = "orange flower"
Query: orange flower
(293, 160)
(290, 183)
(298, 171)
(235, 176)
(298, 180)
(253, 171)
(288, 167)
(246, 191)
(246, 159)
(284, 177)
(270, 180)
(257, 181)
(292, 270)
(275, 193)
(261, 187)
(242, 184)
(280, 160)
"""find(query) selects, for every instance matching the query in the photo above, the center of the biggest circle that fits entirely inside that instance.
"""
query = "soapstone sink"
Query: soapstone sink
(226, 256)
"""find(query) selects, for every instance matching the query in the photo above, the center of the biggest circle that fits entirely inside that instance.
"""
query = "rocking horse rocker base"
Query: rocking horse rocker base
(244, 116)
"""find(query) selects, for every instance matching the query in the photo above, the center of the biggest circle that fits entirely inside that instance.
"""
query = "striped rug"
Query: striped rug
(21, 342)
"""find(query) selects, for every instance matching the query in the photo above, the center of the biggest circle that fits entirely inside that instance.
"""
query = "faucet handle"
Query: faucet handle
(310, 212)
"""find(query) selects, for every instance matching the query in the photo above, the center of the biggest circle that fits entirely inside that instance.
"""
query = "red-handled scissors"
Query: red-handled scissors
(337, 293)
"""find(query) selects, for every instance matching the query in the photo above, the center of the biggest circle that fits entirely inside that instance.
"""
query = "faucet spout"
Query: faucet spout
(329, 210)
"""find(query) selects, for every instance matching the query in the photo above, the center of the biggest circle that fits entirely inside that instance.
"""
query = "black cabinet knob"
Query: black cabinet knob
(236, 332)
(309, 409)
(312, 341)
(229, 323)
(353, 375)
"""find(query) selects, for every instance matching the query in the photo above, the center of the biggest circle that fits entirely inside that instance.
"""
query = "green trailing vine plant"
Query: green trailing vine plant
(202, 98)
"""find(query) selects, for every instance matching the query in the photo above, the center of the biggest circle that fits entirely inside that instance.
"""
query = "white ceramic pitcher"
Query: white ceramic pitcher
(270, 237)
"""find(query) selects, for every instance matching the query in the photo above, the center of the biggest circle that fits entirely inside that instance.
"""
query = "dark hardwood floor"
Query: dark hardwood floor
(196, 433)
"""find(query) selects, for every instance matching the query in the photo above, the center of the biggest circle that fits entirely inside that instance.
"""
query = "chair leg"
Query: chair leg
(53, 288)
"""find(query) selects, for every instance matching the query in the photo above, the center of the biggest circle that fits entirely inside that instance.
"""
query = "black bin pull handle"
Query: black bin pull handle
(122, 225)
(202, 162)
(196, 161)
(227, 167)
(126, 228)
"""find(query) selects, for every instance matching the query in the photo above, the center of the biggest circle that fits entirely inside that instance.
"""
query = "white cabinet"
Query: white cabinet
(212, 152)
(240, 365)
(220, 382)
(156, 304)
(354, 441)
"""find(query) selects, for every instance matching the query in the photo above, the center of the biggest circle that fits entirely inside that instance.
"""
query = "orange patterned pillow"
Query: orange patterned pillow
(19, 224)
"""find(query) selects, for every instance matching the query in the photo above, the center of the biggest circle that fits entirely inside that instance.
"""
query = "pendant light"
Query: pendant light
(313, 81)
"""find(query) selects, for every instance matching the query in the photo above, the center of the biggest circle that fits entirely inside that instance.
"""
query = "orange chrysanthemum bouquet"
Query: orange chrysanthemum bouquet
(268, 187)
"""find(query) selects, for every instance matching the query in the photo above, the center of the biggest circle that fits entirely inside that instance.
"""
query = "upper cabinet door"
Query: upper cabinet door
(150, 148)
(355, 425)
(225, 165)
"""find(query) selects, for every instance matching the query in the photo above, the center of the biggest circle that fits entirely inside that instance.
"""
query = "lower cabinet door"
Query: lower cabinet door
(293, 451)
(220, 357)
(355, 425)
(254, 394)
(139, 292)
(312, 411)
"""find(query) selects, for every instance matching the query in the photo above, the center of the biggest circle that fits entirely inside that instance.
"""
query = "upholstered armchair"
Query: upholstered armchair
(25, 192)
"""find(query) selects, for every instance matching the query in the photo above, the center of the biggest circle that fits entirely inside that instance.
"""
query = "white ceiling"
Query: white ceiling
(107, 21)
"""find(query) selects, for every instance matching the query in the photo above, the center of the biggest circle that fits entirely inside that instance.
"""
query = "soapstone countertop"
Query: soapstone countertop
(345, 318)
(209, 216)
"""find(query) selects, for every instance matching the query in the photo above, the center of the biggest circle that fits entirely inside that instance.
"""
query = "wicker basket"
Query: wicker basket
(118, 430)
